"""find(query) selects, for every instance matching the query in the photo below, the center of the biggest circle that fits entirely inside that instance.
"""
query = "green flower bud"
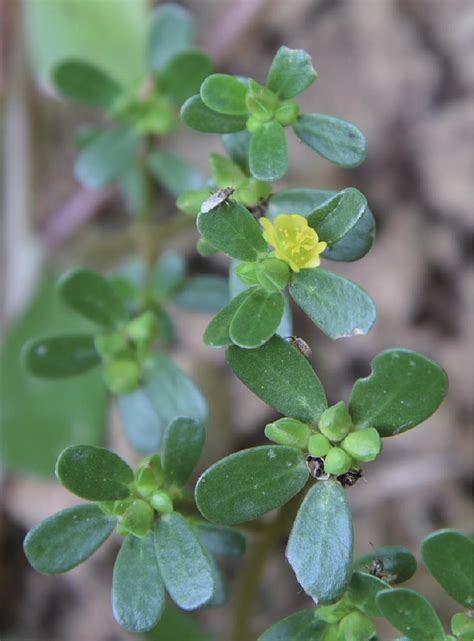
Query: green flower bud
(161, 502)
(334, 613)
(143, 327)
(247, 273)
(204, 248)
(287, 113)
(189, 202)
(363, 445)
(110, 346)
(121, 376)
(335, 422)
(261, 101)
(337, 461)
(252, 191)
(253, 124)
(288, 431)
(120, 507)
(273, 274)
(462, 624)
(145, 481)
(318, 445)
(356, 627)
(138, 518)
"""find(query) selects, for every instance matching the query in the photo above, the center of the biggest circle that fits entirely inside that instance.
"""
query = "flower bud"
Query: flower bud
(122, 376)
(110, 346)
(138, 518)
(143, 328)
(252, 191)
(318, 445)
(363, 445)
(247, 273)
(253, 124)
(288, 431)
(356, 627)
(337, 461)
(287, 113)
(335, 422)
(273, 274)
(334, 613)
(161, 502)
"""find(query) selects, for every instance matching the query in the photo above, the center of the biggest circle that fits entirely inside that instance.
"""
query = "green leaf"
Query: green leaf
(67, 538)
(89, 294)
(233, 230)
(168, 274)
(298, 201)
(243, 486)
(399, 563)
(167, 393)
(363, 590)
(320, 545)
(94, 473)
(339, 307)
(403, 390)
(337, 140)
(196, 115)
(138, 594)
(449, 556)
(185, 567)
(171, 31)
(220, 539)
(224, 94)
(334, 218)
(411, 613)
(173, 172)
(202, 294)
(217, 333)
(183, 442)
(220, 593)
(268, 153)
(257, 318)
(224, 171)
(356, 243)
(282, 377)
(183, 75)
(300, 626)
(60, 356)
(175, 625)
(237, 147)
(83, 82)
(291, 73)
(106, 158)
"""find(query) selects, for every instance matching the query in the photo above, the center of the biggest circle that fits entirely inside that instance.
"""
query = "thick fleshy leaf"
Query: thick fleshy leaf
(94, 473)
(398, 562)
(257, 318)
(67, 538)
(403, 390)
(174, 173)
(300, 626)
(217, 333)
(356, 243)
(224, 94)
(237, 147)
(182, 447)
(202, 294)
(334, 218)
(291, 73)
(106, 158)
(412, 614)
(60, 356)
(220, 593)
(336, 305)
(171, 31)
(221, 539)
(243, 486)
(282, 377)
(268, 152)
(176, 625)
(85, 83)
(320, 545)
(89, 294)
(185, 566)
(168, 274)
(184, 74)
(199, 117)
(449, 556)
(363, 590)
(337, 140)
(138, 594)
(167, 393)
(298, 201)
(233, 230)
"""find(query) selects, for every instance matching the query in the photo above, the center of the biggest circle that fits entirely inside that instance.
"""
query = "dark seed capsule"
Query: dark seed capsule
(350, 478)
(301, 345)
(217, 199)
(315, 465)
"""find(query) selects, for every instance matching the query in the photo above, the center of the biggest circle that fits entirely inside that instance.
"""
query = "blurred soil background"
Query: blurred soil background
(403, 70)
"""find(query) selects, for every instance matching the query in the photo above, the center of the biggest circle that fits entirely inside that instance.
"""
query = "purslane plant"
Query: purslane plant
(171, 535)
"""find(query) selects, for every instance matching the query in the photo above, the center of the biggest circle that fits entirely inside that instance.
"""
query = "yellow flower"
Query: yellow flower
(294, 241)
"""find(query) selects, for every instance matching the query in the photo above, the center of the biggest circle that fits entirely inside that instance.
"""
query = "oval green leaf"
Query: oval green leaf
(334, 218)
(257, 318)
(138, 594)
(337, 140)
(196, 115)
(410, 385)
(291, 72)
(449, 556)
(171, 31)
(60, 356)
(300, 626)
(142, 425)
(282, 377)
(399, 563)
(363, 590)
(233, 230)
(320, 545)
(237, 147)
(268, 152)
(174, 173)
(184, 74)
(205, 293)
(411, 613)
(182, 447)
(90, 295)
(217, 333)
(339, 307)
(221, 539)
(94, 473)
(85, 83)
(185, 566)
(243, 486)
(67, 538)
(224, 94)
